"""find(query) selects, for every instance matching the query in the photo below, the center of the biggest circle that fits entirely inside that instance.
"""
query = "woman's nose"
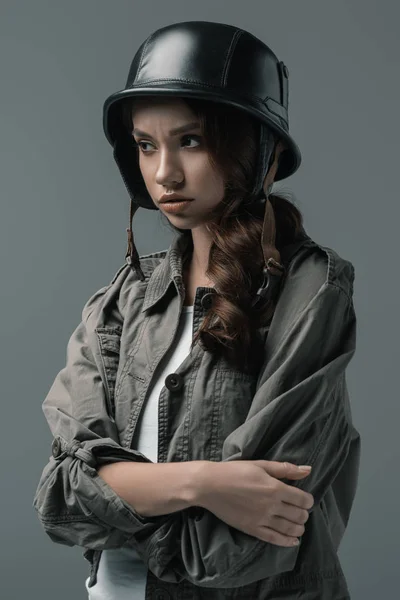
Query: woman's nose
(169, 169)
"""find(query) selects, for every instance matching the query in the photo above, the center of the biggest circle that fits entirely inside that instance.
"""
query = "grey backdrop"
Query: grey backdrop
(64, 211)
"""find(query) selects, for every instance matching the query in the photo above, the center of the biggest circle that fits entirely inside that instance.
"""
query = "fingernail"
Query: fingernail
(305, 467)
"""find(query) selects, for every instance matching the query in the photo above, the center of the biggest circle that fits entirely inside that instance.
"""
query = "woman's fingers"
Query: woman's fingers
(295, 496)
(285, 527)
(291, 513)
(266, 534)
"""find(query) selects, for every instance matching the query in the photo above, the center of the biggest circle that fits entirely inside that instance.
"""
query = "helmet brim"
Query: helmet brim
(291, 156)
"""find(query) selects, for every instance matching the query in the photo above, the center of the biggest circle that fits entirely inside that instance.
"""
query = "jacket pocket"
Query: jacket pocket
(110, 345)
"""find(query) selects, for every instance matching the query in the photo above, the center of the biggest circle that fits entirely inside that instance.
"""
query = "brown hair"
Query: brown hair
(230, 326)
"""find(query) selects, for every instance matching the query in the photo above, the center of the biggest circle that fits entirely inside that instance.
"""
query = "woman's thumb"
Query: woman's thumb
(284, 470)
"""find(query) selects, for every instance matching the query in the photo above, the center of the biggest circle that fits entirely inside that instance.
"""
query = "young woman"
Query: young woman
(203, 376)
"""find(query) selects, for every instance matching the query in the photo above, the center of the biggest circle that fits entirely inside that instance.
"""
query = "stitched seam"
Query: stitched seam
(342, 290)
(301, 578)
(199, 83)
(60, 519)
(217, 400)
(159, 254)
(331, 268)
(142, 56)
(110, 386)
(228, 61)
(185, 439)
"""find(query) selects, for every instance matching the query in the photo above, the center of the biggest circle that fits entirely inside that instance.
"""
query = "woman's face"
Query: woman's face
(175, 162)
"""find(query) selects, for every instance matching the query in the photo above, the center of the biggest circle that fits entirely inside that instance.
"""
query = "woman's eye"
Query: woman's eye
(185, 138)
(140, 144)
(196, 138)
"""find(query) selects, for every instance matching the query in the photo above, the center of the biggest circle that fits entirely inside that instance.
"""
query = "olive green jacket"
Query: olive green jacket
(296, 409)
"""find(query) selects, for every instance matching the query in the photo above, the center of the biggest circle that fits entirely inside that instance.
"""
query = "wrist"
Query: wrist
(202, 475)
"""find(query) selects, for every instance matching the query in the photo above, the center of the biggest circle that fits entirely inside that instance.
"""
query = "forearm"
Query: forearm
(154, 489)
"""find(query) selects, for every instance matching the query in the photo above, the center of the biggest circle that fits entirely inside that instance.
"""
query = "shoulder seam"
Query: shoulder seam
(158, 254)
(342, 290)
(331, 269)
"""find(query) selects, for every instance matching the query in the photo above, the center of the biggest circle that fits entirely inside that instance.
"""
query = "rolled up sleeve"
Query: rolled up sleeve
(74, 504)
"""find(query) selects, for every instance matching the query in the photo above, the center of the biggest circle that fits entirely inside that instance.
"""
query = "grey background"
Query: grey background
(64, 212)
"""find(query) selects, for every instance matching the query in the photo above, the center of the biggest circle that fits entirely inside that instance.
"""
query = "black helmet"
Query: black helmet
(220, 63)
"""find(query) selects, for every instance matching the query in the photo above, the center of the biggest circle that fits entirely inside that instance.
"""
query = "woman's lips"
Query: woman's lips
(172, 199)
(174, 206)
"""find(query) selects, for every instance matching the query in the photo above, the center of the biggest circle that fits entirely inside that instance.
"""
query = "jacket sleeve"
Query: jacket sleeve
(300, 414)
(74, 504)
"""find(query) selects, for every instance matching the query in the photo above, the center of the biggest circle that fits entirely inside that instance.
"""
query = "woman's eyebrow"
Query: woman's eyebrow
(175, 131)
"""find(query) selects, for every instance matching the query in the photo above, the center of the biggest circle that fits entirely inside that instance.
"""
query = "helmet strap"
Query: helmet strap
(132, 256)
(273, 269)
(271, 254)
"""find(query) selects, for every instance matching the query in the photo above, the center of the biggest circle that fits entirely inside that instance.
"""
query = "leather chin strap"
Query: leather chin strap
(269, 226)
(132, 255)
(273, 269)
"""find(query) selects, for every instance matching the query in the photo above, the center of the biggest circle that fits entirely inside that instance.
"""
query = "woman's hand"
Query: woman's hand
(248, 495)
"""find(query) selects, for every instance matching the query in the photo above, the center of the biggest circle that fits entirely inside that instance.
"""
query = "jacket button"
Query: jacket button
(174, 382)
(56, 447)
(160, 594)
(207, 300)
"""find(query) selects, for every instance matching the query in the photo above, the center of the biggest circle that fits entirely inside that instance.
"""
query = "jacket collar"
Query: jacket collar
(169, 269)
